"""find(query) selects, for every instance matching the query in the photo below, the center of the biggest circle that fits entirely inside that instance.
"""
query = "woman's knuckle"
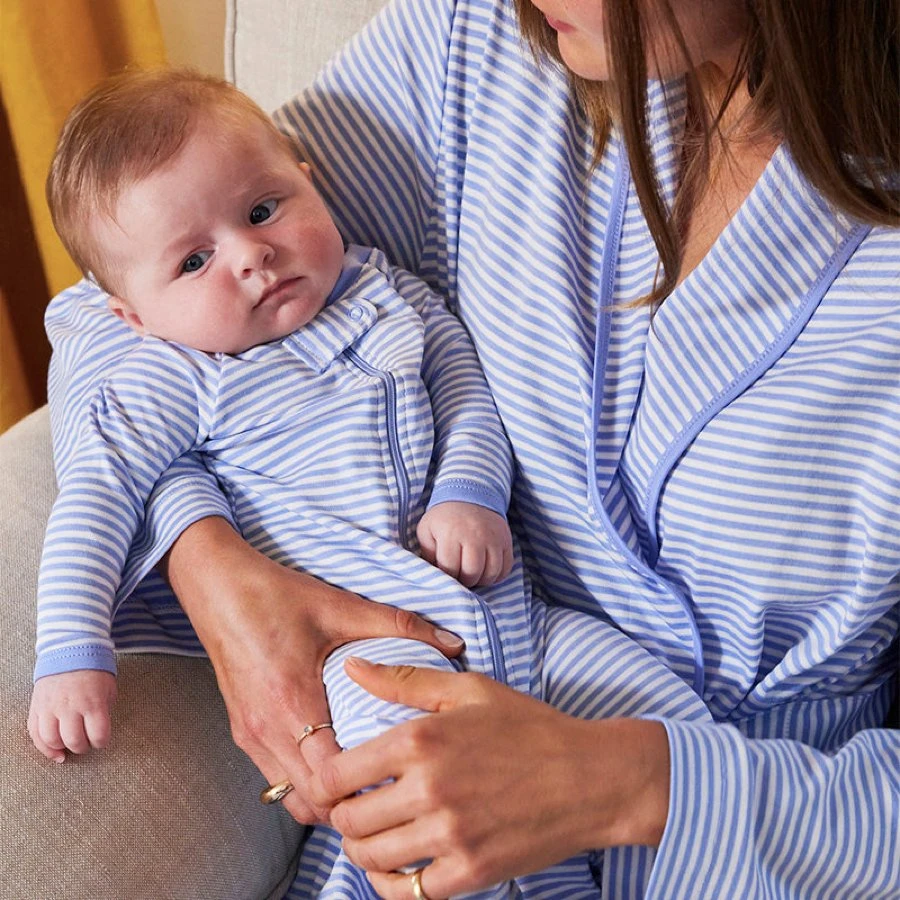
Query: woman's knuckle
(328, 788)
(406, 623)
(473, 869)
(302, 812)
(420, 739)
(360, 854)
(473, 684)
(449, 833)
(246, 731)
(343, 819)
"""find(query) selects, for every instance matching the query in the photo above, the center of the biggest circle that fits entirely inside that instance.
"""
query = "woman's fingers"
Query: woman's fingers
(353, 618)
(358, 816)
(269, 735)
(425, 689)
(392, 753)
(391, 850)
(440, 879)
(516, 805)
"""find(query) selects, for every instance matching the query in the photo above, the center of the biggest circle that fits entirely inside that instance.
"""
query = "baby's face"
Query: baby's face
(226, 247)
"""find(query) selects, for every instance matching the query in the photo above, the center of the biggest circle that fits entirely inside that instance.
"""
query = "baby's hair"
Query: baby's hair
(124, 130)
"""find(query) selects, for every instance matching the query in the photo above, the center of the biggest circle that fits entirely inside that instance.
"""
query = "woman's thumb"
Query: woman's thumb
(421, 688)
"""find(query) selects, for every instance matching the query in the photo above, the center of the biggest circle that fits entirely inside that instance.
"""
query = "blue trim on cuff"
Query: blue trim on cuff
(71, 659)
(462, 490)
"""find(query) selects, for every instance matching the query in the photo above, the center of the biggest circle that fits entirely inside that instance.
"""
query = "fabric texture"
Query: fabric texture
(720, 485)
(328, 445)
(581, 665)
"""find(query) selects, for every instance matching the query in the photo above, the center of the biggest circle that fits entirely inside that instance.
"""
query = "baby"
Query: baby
(339, 405)
(267, 347)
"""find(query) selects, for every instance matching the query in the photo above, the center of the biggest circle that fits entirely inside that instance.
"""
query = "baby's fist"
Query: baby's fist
(469, 542)
(71, 711)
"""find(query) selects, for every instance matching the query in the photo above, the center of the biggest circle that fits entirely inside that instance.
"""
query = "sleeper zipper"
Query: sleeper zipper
(390, 385)
(400, 473)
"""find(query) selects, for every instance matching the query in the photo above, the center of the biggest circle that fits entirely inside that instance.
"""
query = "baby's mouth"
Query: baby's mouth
(274, 289)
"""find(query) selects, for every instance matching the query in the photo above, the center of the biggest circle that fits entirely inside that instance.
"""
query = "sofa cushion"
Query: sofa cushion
(273, 48)
(171, 810)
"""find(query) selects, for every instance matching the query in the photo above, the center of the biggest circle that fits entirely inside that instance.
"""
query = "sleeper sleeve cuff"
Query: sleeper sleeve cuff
(463, 490)
(77, 656)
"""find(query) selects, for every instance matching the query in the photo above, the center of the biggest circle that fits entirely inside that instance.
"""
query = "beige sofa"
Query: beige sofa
(171, 810)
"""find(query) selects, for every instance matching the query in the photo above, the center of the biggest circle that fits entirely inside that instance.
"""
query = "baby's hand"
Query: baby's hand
(469, 542)
(71, 710)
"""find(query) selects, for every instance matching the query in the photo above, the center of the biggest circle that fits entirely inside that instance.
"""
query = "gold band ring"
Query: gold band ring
(418, 890)
(311, 729)
(275, 792)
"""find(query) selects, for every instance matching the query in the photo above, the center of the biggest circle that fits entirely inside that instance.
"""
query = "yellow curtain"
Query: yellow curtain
(51, 53)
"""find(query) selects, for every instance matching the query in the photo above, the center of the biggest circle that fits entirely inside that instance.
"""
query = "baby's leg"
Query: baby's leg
(357, 716)
(593, 671)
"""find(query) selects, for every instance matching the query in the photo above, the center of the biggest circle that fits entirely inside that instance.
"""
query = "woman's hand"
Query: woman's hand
(494, 785)
(267, 630)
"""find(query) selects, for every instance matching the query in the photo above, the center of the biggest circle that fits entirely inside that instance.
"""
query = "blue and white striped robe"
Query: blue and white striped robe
(724, 486)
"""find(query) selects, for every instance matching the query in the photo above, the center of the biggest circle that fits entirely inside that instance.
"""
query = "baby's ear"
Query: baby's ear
(123, 310)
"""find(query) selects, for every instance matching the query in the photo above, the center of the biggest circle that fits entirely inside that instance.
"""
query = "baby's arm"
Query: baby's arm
(70, 711)
(470, 542)
(472, 461)
(128, 436)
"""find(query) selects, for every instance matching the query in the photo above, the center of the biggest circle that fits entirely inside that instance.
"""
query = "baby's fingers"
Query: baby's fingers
(73, 733)
(97, 728)
(493, 570)
(44, 731)
(473, 562)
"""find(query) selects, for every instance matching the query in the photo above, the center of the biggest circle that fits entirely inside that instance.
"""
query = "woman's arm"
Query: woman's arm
(796, 822)
(267, 630)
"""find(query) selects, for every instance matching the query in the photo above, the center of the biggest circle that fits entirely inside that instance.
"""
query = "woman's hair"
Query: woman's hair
(824, 76)
(126, 128)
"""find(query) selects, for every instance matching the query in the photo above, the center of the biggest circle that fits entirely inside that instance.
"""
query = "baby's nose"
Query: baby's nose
(253, 255)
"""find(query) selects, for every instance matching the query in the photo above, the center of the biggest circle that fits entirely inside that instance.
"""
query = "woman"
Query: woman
(721, 483)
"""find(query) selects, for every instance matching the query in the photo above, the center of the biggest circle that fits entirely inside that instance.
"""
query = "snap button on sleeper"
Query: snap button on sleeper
(356, 312)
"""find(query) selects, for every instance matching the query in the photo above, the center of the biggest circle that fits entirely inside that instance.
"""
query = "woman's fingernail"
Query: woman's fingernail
(448, 638)
(359, 662)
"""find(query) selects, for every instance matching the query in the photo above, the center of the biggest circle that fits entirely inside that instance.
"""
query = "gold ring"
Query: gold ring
(275, 792)
(311, 729)
(418, 890)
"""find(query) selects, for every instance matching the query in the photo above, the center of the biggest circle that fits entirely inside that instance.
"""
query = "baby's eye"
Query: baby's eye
(262, 211)
(195, 262)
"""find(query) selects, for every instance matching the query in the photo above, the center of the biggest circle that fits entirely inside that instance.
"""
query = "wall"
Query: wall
(193, 31)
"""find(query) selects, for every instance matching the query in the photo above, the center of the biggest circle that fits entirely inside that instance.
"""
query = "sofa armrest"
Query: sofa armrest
(171, 809)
